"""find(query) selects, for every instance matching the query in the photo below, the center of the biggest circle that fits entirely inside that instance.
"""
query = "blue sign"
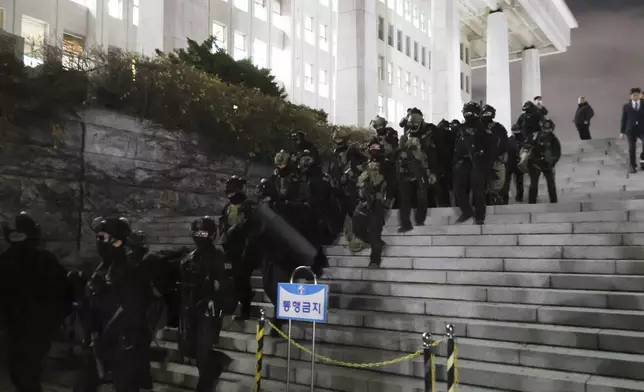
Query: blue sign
(302, 302)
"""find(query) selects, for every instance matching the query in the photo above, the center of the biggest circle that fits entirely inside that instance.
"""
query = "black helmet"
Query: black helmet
(116, 228)
(297, 136)
(305, 161)
(203, 228)
(488, 111)
(25, 225)
(528, 105)
(235, 184)
(547, 125)
(471, 109)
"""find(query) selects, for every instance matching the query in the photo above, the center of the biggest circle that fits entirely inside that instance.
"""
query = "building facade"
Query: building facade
(353, 59)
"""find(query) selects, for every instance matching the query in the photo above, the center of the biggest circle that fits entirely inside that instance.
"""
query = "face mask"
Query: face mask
(237, 198)
(108, 247)
(202, 239)
(486, 118)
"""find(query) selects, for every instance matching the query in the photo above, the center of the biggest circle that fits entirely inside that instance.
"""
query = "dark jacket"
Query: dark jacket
(632, 120)
(583, 114)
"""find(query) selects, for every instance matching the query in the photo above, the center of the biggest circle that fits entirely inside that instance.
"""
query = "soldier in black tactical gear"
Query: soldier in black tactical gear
(35, 297)
(369, 217)
(418, 171)
(495, 186)
(540, 154)
(529, 121)
(388, 139)
(446, 158)
(236, 231)
(207, 295)
(114, 315)
(344, 169)
(301, 144)
(515, 143)
(474, 156)
(403, 122)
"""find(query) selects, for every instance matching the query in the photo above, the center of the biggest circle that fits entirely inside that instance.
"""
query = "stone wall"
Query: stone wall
(105, 163)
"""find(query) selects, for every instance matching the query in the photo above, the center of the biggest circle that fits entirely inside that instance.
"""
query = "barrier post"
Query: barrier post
(452, 385)
(428, 362)
(261, 324)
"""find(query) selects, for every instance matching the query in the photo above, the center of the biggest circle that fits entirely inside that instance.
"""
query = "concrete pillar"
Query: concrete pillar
(445, 61)
(530, 74)
(356, 100)
(498, 68)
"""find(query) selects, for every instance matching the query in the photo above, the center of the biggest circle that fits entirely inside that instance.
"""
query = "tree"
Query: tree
(221, 64)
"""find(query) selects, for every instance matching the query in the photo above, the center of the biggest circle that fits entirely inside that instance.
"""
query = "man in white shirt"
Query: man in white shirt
(632, 126)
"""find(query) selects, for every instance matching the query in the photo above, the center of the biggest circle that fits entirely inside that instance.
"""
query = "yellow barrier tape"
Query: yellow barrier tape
(349, 364)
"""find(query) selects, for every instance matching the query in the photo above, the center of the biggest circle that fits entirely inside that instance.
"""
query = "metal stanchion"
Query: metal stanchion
(452, 386)
(261, 324)
(428, 362)
(290, 324)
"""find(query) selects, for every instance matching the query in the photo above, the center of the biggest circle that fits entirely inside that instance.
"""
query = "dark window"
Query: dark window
(423, 56)
(390, 35)
(429, 59)
(467, 55)
(381, 28)
(408, 46)
(467, 84)
(415, 51)
(399, 39)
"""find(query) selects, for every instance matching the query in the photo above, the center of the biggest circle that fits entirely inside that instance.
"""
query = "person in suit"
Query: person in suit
(583, 115)
(632, 127)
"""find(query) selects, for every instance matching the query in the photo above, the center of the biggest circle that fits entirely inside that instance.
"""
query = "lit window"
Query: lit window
(381, 67)
(308, 30)
(241, 4)
(308, 77)
(260, 10)
(381, 106)
(240, 46)
(391, 107)
(407, 10)
(415, 86)
(260, 53)
(399, 77)
(115, 8)
(277, 7)
(323, 84)
(423, 23)
(414, 16)
(390, 73)
(135, 12)
(324, 44)
(219, 32)
(34, 32)
(72, 49)
(399, 7)
(408, 82)
(423, 90)
(390, 4)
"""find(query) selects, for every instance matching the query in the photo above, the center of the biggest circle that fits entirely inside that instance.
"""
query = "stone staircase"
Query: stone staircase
(545, 297)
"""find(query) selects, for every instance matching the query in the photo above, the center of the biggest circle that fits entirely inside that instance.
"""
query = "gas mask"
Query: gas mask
(111, 235)
(487, 117)
(376, 152)
(109, 248)
(414, 121)
(203, 232)
(305, 163)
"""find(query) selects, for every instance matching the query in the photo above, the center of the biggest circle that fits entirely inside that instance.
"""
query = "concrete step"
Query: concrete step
(328, 377)
(362, 346)
(395, 293)
(522, 252)
(407, 376)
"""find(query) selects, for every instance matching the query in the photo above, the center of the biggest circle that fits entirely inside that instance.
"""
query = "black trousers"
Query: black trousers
(127, 372)
(408, 192)
(242, 274)
(513, 172)
(632, 137)
(584, 131)
(26, 352)
(534, 174)
(442, 188)
(367, 226)
(466, 178)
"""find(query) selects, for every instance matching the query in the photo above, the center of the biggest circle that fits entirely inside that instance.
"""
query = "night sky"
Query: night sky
(605, 60)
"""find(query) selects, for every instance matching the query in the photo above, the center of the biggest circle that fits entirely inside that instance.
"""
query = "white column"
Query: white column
(498, 68)
(530, 74)
(445, 60)
(356, 101)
